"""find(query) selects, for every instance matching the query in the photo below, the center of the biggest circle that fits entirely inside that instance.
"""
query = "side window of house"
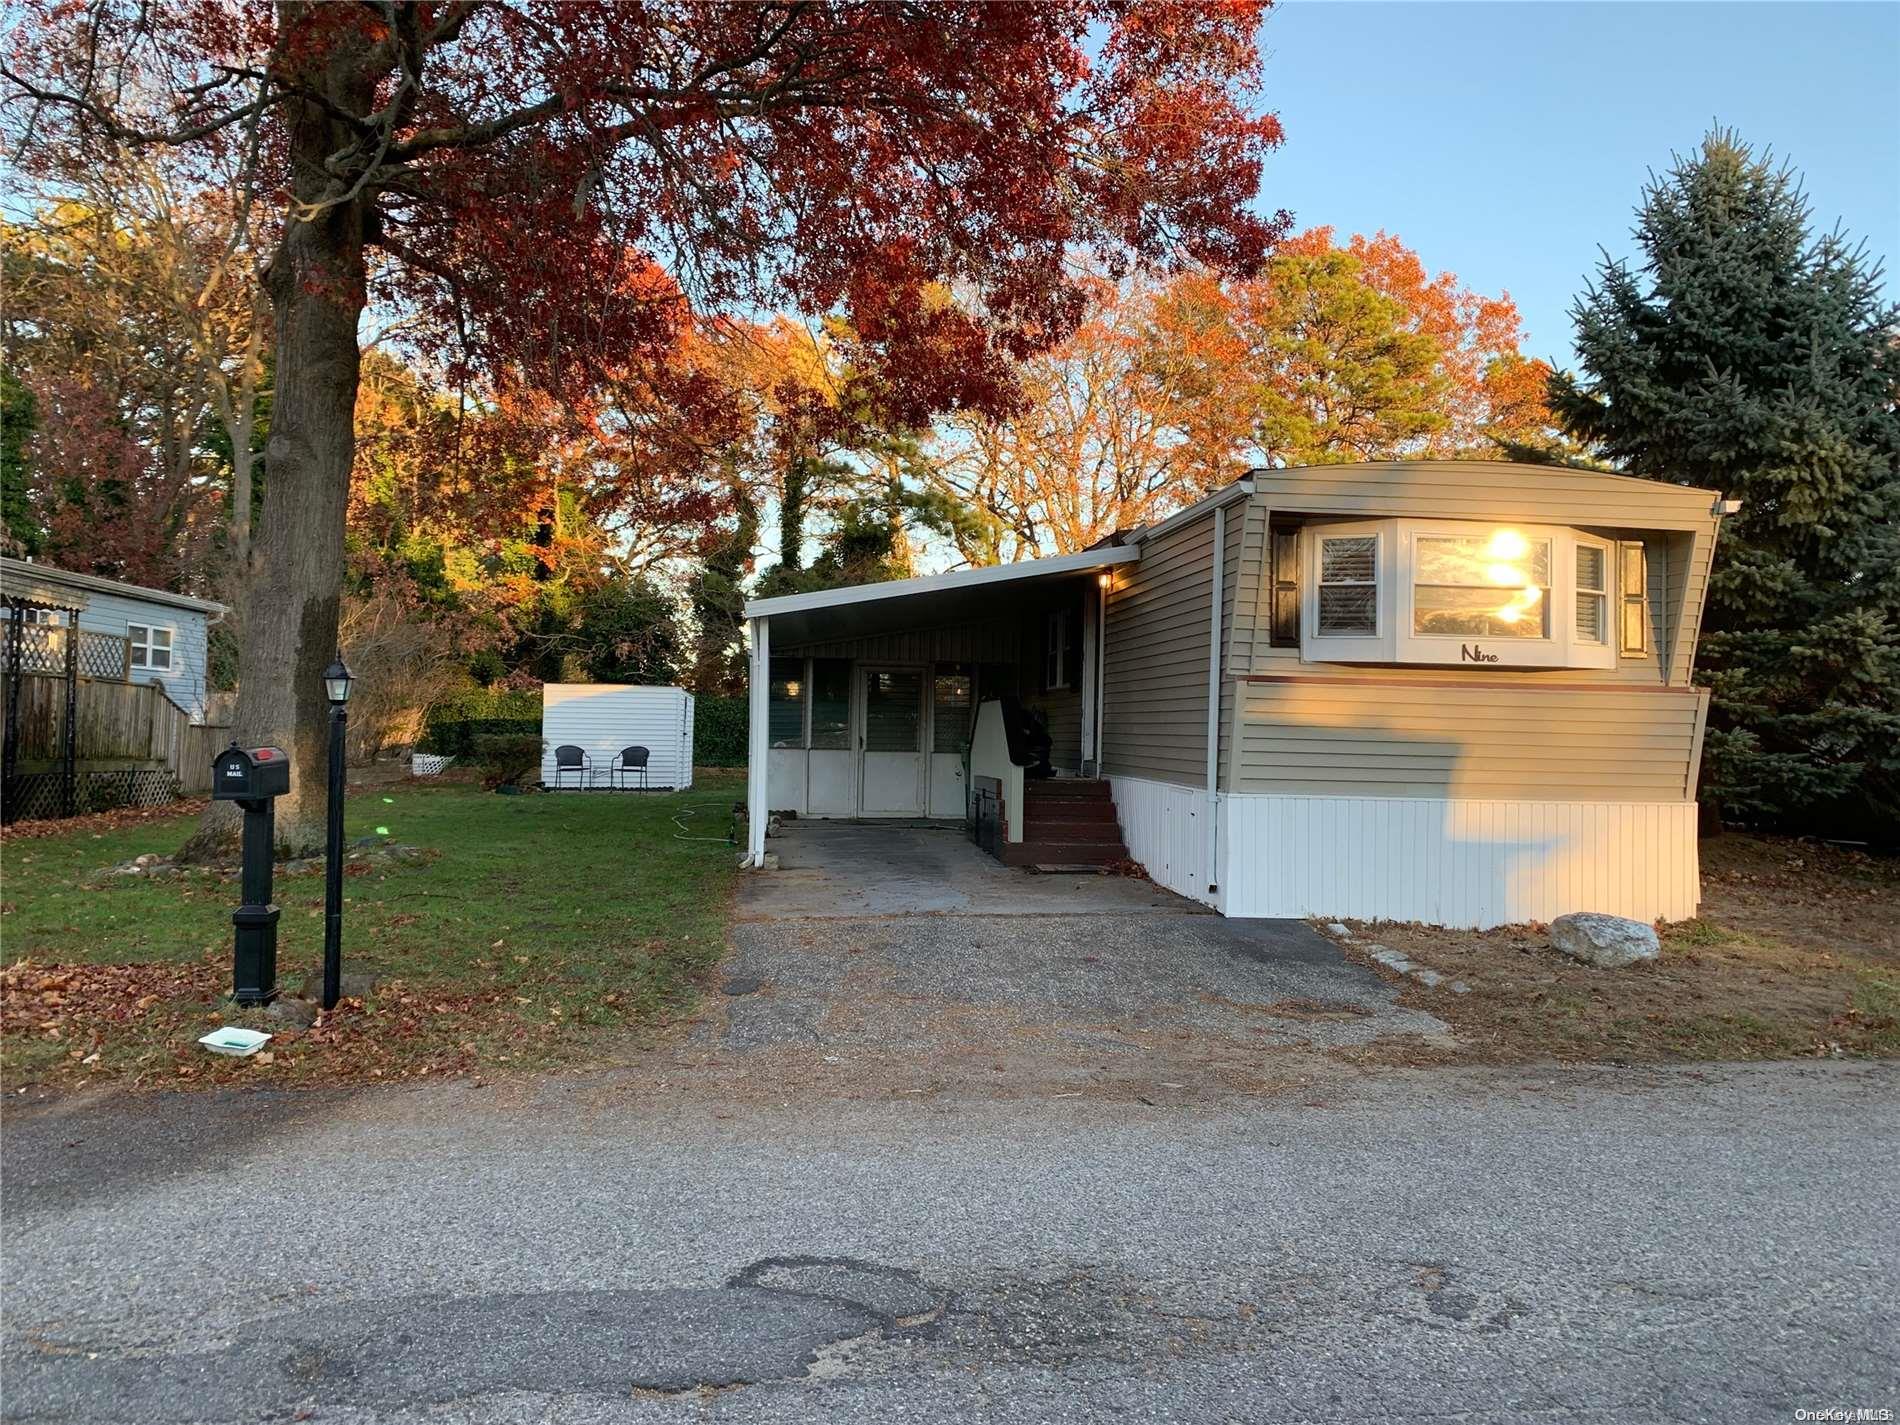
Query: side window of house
(953, 706)
(1349, 586)
(45, 618)
(785, 708)
(830, 703)
(1634, 599)
(151, 647)
(1060, 641)
(1284, 588)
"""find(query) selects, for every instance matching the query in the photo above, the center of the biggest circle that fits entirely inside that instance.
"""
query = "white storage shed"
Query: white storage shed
(604, 720)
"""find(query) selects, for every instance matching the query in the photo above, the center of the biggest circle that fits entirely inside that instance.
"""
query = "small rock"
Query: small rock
(1459, 987)
(742, 985)
(132, 870)
(1431, 979)
(150, 858)
(1339, 930)
(301, 866)
(291, 1010)
(1395, 959)
(1606, 940)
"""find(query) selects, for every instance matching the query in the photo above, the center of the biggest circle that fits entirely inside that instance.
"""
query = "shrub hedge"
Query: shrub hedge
(456, 721)
(507, 757)
(454, 724)
(719, 726)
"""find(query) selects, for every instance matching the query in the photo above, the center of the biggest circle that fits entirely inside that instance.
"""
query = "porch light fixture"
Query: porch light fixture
(337, 682)
(1105, 579)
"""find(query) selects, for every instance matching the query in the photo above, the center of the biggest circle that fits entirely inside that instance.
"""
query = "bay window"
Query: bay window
(1456, 592)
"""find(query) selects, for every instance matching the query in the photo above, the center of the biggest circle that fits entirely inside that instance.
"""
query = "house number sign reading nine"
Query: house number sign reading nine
(1473, 653)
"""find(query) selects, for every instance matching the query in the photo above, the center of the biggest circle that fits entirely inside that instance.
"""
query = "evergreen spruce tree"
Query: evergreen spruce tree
(1747, 355)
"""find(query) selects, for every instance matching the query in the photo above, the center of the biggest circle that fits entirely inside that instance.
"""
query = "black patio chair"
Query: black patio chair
(628, 761)
(569, 758)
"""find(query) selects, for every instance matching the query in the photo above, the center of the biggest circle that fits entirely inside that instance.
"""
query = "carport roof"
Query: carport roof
(933, 598)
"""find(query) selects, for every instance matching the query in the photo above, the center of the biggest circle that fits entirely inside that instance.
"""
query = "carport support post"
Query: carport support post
(758, 691)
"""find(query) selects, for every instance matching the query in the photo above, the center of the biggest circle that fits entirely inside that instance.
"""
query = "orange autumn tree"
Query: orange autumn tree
(1170, 389)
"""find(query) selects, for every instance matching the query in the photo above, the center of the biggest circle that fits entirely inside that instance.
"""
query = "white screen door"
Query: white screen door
(893, 742)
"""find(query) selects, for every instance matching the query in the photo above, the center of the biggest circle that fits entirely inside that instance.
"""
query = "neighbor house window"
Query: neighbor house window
(1055, 673)
(1456, 592)
(151, 647)
(45, 618)
(1634, 599)
(785, 707)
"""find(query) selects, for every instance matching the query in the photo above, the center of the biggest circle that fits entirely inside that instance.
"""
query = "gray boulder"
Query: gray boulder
(1606, 940)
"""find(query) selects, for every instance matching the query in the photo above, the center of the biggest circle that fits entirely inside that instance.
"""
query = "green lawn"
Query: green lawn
(540, 926)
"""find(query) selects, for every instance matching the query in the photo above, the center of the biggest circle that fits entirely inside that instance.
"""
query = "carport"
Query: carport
(866, 702)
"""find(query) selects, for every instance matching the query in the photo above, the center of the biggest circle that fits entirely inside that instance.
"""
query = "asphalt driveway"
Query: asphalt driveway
(904, 960)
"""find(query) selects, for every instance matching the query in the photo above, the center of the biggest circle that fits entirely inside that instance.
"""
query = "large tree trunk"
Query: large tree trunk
(317, 286)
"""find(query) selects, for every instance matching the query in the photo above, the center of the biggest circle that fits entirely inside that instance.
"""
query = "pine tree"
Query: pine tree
(1749, 356)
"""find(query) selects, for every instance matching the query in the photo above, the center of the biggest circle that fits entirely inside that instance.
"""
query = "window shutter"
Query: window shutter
(1283, 584)
(1633, 602)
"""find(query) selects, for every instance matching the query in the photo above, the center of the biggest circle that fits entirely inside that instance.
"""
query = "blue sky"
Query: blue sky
(1508, 141)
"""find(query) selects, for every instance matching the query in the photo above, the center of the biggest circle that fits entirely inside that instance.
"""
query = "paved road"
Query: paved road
(1590, 1246)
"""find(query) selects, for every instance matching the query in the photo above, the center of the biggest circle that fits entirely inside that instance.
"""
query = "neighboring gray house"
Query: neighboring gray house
(127, 632)
(1448, 691)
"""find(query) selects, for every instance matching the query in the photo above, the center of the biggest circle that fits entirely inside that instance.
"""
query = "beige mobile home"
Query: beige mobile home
(1448, 691)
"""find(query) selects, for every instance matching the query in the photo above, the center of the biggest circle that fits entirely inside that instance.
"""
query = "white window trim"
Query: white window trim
(1376, 647)
(140, 637)
(1396, 643)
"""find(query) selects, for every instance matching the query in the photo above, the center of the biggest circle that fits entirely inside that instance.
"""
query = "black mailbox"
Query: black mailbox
(248, 774)
(254, 777)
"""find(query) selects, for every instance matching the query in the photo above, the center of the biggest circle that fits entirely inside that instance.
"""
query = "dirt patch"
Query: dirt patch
(1796, 954)
(1307, 1009)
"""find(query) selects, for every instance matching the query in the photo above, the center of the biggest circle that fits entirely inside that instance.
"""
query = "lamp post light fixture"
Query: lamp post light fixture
(336, 687)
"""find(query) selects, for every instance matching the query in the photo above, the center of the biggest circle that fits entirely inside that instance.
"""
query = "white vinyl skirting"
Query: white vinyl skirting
(1440, 861)
(1164, 827)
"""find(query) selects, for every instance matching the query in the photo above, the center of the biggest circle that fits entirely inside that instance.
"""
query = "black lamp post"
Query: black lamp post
(336, 687)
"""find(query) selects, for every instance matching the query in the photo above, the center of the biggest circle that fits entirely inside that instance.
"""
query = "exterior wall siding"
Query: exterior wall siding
(1404, 738)
(1457, 862)
(1155, 699)
(1164, 827)
(185, 681)
(602, 718)
(1484, 490)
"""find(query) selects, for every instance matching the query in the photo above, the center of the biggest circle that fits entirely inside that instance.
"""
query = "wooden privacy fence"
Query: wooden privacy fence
(128, 737)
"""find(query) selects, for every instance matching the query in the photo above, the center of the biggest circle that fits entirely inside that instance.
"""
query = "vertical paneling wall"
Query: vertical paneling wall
(603, 718)
(1164, 827)
(1457, 862)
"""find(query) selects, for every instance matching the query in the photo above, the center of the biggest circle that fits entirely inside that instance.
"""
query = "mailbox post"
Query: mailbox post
(254, 778)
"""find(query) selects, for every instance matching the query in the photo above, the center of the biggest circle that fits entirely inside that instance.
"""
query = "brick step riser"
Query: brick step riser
(1032, 853)
(1072, 816)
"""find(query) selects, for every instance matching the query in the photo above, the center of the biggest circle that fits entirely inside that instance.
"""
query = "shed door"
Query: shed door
(893, 742)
